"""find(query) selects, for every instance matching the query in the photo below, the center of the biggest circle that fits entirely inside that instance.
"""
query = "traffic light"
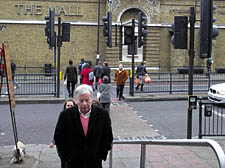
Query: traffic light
(141, 29)
(207, 32)
(65, 32)
(107, 31)
(49, 29)
(179, 37)
(128, 35)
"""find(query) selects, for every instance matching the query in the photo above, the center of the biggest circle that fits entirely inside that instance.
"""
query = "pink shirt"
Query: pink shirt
(84, 122)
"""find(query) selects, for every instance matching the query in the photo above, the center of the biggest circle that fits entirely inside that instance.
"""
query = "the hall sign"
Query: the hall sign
(37, 9)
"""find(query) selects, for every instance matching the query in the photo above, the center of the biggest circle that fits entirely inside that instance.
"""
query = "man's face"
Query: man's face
(84, 102)
(120, 67)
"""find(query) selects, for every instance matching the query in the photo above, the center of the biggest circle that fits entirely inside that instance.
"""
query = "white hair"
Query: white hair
(121, 65)
(83, 89)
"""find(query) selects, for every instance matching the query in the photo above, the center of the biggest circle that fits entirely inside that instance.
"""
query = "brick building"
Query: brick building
(25, 31)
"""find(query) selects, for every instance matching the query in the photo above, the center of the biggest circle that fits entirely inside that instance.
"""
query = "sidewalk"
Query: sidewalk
(126, 125)
(136, 98)
(161, 97)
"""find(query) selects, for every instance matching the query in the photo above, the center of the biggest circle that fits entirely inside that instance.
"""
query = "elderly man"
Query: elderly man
(83, 134)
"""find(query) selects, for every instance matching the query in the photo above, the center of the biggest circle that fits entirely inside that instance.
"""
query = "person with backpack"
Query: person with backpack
(105, 90)
(87, 75)
(141, 71)
(71, 77)
(80, 67)
(97, 73)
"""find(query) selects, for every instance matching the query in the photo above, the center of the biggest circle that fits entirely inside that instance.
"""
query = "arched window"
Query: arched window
(126, 20)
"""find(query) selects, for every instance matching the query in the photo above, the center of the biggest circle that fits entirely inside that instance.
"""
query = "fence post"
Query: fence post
(110, 157)
(209, 78)
(55, 84)
(25, 72)
(171, 82)
(200, 119)
(159, 72)
(143, 155)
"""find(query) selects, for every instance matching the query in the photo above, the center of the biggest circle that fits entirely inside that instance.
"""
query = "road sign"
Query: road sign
(9, 75)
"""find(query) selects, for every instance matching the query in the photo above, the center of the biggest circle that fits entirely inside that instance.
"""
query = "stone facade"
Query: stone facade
(25, 31)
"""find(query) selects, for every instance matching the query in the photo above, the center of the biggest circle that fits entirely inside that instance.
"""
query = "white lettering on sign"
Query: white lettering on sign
(37, 9)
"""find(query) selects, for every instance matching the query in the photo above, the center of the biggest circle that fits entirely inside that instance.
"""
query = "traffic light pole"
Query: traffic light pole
(97, 57)
(54, 69)
(51, 40)
(191, 64)
(133, 67)
(59, 45)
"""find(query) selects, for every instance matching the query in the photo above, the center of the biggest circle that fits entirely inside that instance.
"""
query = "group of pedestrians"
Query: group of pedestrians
(87, 75)
(83, 134)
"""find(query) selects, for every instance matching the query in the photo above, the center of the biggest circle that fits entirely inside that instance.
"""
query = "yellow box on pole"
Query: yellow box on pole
(130, 73)
(60, 75)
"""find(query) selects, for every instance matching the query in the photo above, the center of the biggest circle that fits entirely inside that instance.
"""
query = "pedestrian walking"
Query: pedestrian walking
(106, 71)
(71, 77)
(98, 73)
(105, 90)
(85, 75)
(83, 133)
(81, 67)
(141, 71)
(121, 75)
(67, 104)
(13, 70)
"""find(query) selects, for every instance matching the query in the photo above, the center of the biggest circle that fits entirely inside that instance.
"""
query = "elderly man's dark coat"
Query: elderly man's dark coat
(74, 147)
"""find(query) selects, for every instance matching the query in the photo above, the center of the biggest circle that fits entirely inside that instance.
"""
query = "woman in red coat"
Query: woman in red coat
(85, 75)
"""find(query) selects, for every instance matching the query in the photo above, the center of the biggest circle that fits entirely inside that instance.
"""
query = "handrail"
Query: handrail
(174, 142)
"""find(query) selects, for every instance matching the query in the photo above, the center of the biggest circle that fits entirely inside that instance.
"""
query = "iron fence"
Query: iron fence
(32, 84)
(174, 82)
(35, 69)
(170, 82)
(211, 119)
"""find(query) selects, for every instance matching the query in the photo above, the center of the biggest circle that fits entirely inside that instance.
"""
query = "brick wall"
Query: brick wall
(28, 44)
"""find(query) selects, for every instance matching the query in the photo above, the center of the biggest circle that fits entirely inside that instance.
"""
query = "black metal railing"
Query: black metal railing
(211, 119)
(174, 82)
(170, 82)
(35, 69)
(32, 84)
